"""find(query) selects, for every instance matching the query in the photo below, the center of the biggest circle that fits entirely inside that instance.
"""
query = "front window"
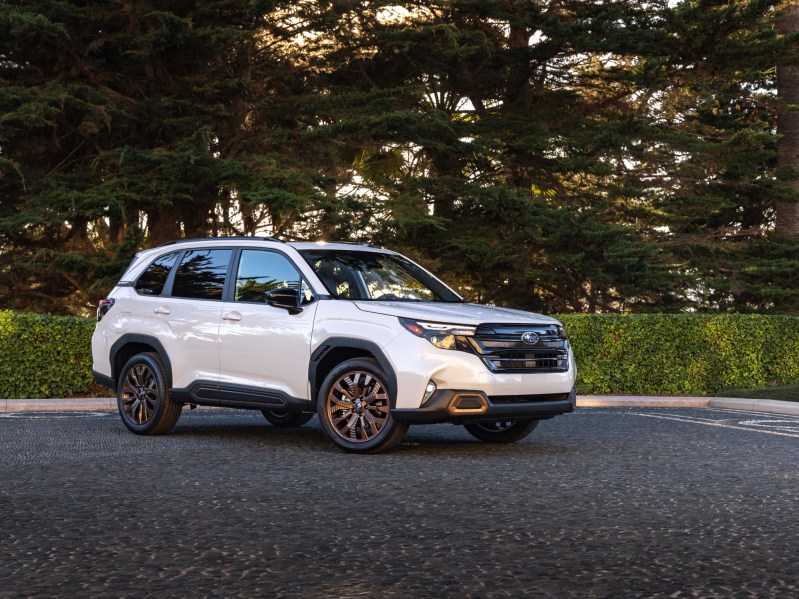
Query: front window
(377, 276)
(262, 271)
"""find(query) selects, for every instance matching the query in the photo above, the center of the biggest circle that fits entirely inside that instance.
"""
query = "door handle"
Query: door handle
(162, 310)
(235, 316)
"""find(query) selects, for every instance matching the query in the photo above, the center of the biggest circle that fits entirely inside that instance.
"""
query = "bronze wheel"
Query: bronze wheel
(354, 408)
(358, 406)
(139, 393)
(143, 396)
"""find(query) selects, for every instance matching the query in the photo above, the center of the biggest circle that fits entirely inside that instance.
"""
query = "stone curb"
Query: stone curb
(82, 404)
(771, 406)
(584, 401)
(641, 401)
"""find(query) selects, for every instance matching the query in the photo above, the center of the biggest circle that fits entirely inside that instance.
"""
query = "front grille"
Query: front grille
(502, 349)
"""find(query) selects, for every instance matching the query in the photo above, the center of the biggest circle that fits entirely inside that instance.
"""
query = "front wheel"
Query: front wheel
(501, 431)
(354, 408)
(286, 419)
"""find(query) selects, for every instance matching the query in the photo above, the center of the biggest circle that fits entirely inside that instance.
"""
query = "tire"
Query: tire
(286, 419)
(501, 431)
(354, 408)
(143, 396)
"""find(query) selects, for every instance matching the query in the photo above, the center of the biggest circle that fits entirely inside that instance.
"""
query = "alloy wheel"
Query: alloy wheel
(358, 406)
(139, 393)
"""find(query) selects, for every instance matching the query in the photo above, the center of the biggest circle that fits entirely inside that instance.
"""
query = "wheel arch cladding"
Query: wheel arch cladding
(130, 344)
(335, 350)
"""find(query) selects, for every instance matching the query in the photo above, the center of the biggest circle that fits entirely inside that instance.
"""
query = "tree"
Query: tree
(787, 224)
(126, 124)
(558, 155)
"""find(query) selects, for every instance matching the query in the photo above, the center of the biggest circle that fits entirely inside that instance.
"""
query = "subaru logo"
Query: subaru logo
(530, 338)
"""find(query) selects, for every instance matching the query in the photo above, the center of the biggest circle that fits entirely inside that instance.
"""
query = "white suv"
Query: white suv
(364, 337)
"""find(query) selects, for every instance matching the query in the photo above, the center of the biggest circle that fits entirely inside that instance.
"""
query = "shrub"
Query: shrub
(683, 354)
(44, 356)
(693, 354)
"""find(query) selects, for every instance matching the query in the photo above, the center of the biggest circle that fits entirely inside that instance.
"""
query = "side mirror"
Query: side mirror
(284, 297)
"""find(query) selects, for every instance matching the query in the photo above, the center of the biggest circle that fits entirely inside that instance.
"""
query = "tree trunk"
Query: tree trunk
(162, 226)
(788, 127)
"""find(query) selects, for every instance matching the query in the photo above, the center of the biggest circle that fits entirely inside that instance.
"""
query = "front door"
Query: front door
(263, 350)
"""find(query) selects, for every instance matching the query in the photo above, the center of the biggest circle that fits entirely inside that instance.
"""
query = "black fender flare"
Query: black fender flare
(148, 340)
(349, 343)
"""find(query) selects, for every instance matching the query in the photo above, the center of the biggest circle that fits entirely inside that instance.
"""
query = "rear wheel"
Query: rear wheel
(354, 408)
(286, 419)
(501, 431)
(143, 396)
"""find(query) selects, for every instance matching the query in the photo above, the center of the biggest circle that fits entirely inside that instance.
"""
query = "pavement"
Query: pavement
(583, 401)
(602, 503)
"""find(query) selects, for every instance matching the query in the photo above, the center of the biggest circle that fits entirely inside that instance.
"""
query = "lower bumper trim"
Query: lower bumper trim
(103, 379)
(437, 408)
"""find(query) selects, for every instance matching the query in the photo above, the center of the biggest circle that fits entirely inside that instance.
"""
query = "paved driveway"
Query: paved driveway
(600, 503)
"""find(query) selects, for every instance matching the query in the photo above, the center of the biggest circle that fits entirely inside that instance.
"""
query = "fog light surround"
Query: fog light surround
(468, 403)
(428, 391)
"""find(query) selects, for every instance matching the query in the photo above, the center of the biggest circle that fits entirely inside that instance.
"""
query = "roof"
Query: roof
(260, 241)
(334, 245)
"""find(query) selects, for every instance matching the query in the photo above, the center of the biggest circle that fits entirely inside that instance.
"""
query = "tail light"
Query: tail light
(103, 307)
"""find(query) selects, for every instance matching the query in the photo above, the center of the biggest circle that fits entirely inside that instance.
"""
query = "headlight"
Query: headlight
(439, 334)
(562, 332)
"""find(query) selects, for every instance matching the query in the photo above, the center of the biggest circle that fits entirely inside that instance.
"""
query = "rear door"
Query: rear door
(191, 307)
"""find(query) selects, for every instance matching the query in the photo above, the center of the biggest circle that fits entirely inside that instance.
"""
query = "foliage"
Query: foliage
(562, 156)
(673, 354)
(44, 356)
(780, 393)
(683, 354)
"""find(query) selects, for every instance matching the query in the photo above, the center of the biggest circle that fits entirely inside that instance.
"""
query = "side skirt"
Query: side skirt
(210, 393)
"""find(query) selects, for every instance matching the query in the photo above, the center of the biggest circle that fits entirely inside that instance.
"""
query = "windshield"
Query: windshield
(363, 275)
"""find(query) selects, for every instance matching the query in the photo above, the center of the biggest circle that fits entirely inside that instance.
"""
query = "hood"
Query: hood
(448, 313)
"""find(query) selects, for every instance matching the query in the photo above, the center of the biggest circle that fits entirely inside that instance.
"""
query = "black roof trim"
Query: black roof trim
(355, 243)
(363, 243)
(234, 238)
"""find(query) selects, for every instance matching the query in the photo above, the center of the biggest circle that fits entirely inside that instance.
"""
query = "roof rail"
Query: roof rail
(234, 237)
(364, 243)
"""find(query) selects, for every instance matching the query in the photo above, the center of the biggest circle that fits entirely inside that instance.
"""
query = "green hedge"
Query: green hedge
(50, 356)
(44, 356)
(683, 354)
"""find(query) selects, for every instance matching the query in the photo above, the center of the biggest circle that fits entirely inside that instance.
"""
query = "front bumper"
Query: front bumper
(103, 379)
(458, 407)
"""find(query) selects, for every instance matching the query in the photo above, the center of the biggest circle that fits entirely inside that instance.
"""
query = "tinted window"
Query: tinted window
(201, 274)
(152, 280)
(261, 271)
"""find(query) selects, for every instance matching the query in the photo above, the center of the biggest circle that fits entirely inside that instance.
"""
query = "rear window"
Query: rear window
(201, 274)
(152, 280)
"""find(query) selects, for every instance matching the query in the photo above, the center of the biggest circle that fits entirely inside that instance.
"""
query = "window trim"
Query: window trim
(228, 291)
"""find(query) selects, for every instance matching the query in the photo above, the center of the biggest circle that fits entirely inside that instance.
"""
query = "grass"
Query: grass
(784, 393)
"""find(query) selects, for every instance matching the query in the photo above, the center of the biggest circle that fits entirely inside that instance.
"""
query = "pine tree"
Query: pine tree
(787, 221)
(564, 155)
(126, 124)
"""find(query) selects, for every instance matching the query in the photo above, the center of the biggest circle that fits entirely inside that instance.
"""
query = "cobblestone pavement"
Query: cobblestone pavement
(600, 503)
